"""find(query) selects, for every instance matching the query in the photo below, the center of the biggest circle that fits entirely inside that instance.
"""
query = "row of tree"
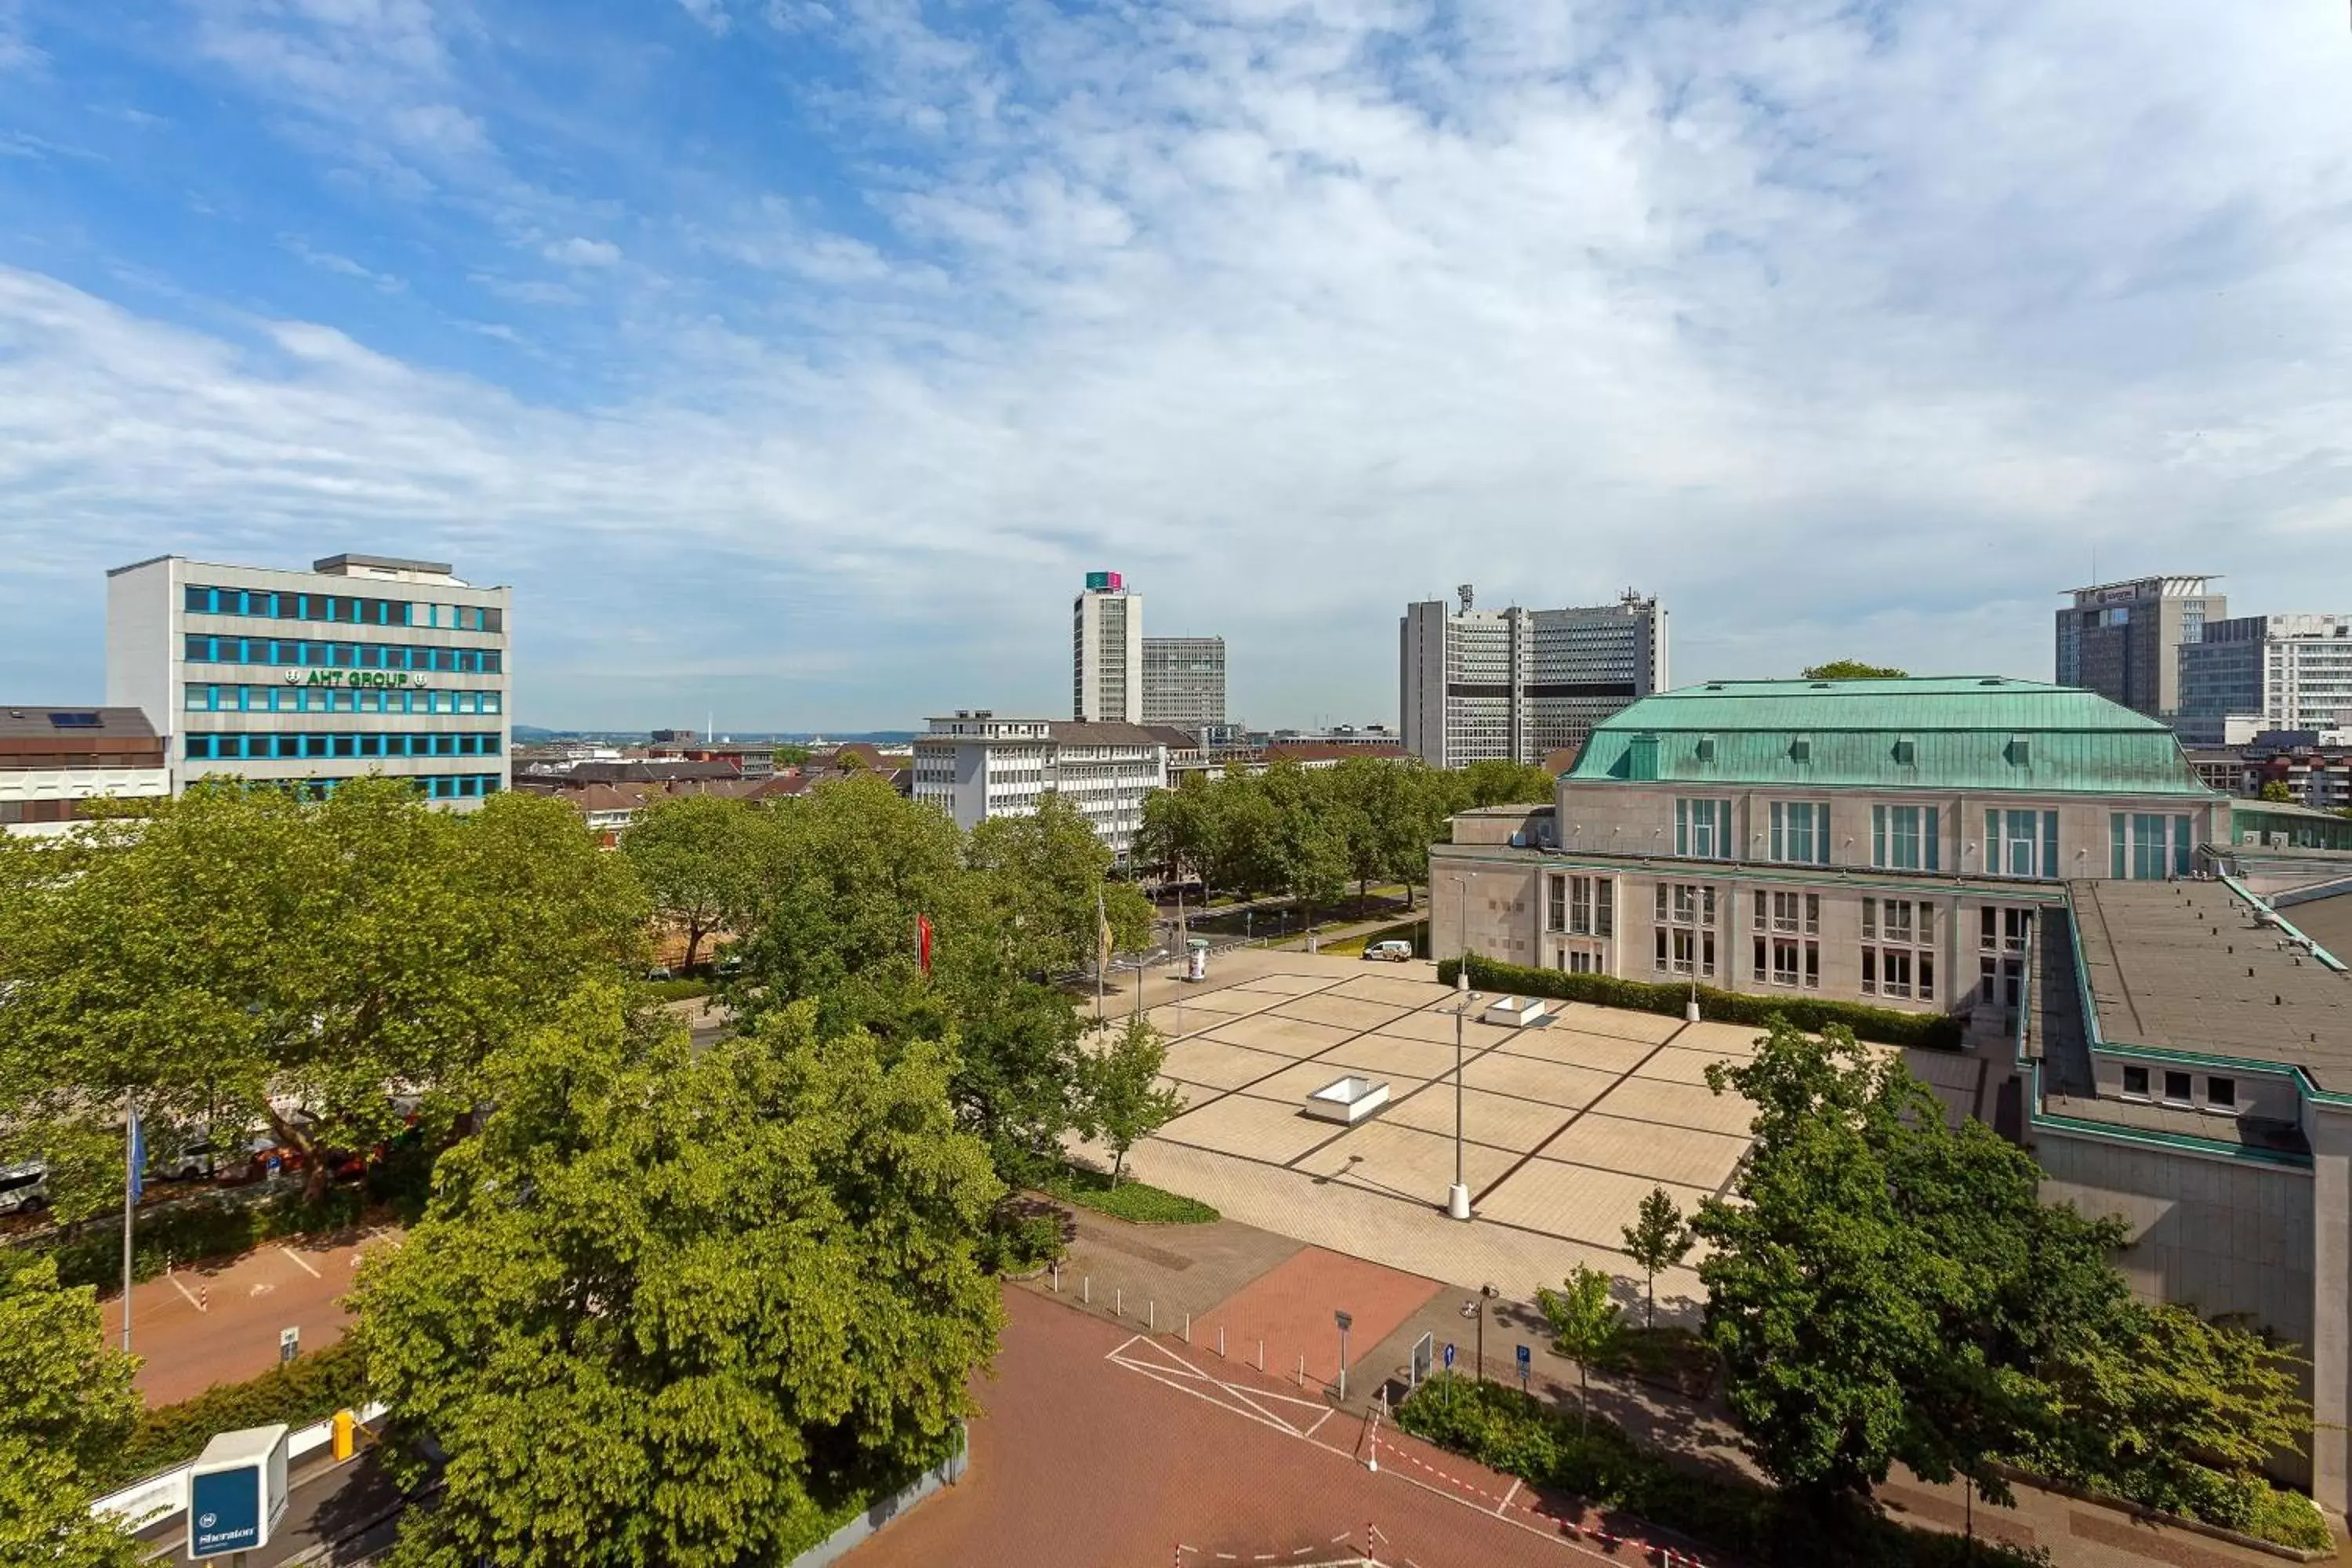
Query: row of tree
(1305, 833)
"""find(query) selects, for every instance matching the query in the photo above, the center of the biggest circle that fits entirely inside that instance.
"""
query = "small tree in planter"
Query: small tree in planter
(1658, 1239)
(1124, 1101)
(1585, 1324)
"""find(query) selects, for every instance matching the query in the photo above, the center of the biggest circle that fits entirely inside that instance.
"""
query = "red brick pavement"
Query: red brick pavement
(1084, 1461)
(1290, 1307)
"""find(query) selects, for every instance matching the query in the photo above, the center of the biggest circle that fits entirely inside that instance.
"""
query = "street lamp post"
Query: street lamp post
(1457, 1198)
(1477, 1308)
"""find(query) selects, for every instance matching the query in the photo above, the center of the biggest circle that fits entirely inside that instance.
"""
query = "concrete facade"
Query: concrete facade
(974, 765)
(1107, 652)
(363, 665)
(1517, 684)
(1184, 682)
(2123, 640)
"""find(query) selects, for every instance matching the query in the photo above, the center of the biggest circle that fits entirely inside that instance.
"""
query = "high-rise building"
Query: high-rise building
(1518, 684)
(1107, 652)
(2255, 673)
(2123, 640)
(361, 665)
(1184, 682)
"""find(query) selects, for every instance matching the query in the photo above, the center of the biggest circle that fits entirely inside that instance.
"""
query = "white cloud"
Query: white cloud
(330, 261)
(710, 13)
(579, 252)
(1850, 329)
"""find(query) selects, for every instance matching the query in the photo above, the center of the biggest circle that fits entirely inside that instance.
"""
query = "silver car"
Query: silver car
(24, 1189)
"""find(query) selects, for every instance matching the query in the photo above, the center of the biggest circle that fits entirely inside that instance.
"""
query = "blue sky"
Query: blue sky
(794, 359)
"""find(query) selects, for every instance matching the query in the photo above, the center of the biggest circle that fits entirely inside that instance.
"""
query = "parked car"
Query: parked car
(191, 1162)
(1389, 952)
(24, 1189)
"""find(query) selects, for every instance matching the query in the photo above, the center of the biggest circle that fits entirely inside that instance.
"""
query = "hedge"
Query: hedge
(1597, 1463)
(306, 1389)
(1932, 1031)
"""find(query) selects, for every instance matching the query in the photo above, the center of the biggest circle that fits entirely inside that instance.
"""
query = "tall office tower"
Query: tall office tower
(1107, 652)
(1184, 682)
(361, 665)
(2254, 673)
(2123, 640)
(1521, 684)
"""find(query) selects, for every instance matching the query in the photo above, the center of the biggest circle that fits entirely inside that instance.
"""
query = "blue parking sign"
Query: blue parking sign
(1449, 1355)
(1527, 1359)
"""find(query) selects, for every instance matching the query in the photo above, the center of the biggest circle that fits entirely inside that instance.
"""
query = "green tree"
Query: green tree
(1048, 880)
(237, 952)
(1124, 1098)
(65, 1406)
(1177, 836)
(1883, 1286)
(1308, 850)
(1495, 782)
(1585, 1325)
(2276, 790)
(1658, 1239)
(2171, 1411)
(1853, 669)
(669, 1307)
(699, 858)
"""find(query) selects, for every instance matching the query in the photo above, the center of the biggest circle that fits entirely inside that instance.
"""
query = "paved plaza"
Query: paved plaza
(1566, 1125)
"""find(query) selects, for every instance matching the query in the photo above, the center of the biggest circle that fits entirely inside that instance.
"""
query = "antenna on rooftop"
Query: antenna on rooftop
(1465, 593)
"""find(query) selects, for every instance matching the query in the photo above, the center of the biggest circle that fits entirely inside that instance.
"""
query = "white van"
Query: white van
(24, 1188)
(1389, 952)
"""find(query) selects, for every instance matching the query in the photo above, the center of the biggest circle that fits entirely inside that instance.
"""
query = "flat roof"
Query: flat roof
(2194, 966)
(334, 563)
(69, 722)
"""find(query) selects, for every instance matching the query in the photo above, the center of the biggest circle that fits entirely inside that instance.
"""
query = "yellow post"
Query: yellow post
(344, 1426)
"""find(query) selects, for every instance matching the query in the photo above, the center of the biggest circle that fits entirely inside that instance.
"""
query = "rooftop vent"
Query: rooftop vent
(1706, 748)
(2020, 751)
(1800, 750)
(1821, 685)
(1993, 680)
(1906, 752)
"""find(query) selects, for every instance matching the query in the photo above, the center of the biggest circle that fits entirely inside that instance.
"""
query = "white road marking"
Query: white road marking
(1509, 1495)
(261, 1289)
(183, 1291)
(301, 1262)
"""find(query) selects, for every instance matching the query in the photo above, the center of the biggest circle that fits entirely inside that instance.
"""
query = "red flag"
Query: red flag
(923, 942)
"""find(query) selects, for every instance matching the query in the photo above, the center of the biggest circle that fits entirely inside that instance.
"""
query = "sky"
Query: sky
(794, 360)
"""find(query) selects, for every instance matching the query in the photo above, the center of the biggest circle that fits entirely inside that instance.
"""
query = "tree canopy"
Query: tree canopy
(670, 1308)
(1853, 669)
(65, 1406)
(1883, 1286)
(236, 950)
(698, 858)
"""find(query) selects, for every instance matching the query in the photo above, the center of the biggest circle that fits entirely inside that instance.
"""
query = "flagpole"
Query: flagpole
(129, 1202)
(1102, 950)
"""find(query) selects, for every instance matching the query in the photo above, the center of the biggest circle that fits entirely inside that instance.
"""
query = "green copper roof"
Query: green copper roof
(1966, 732)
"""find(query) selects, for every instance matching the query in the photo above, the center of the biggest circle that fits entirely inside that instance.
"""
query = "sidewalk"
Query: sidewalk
(1165, 1272)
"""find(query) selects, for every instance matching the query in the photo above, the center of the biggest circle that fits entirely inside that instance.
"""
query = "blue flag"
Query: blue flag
(137, 1154)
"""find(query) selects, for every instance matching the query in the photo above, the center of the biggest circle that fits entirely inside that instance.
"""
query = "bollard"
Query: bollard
(1151, 1315)
(1261, 1355)
(1057, 1279)
(1221, 1341)
(1087, 1290)
(1302, 1372)
(1119, 1300)
(1188, 1328)
(344, 1436)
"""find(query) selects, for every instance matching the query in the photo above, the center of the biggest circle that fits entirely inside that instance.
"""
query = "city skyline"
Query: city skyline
(796, 382)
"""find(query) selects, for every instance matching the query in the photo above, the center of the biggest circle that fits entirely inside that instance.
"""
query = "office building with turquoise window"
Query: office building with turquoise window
(364, 664)
(1879, 841)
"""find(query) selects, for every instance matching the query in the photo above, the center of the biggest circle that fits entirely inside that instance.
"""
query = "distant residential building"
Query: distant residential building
(2315, 766)
(2123, 640)
(2253, 673)
(974, 765)
(1338, 735)
(364, 664)
(1184, 682)
(56, 760)
(1311, 755)
(1107, 651)
(1516, 684)
(749, 760)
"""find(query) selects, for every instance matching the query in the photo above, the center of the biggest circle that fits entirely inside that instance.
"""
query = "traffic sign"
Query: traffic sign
(1345, 1322)
(1449, 1355)
(1526, 1360)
